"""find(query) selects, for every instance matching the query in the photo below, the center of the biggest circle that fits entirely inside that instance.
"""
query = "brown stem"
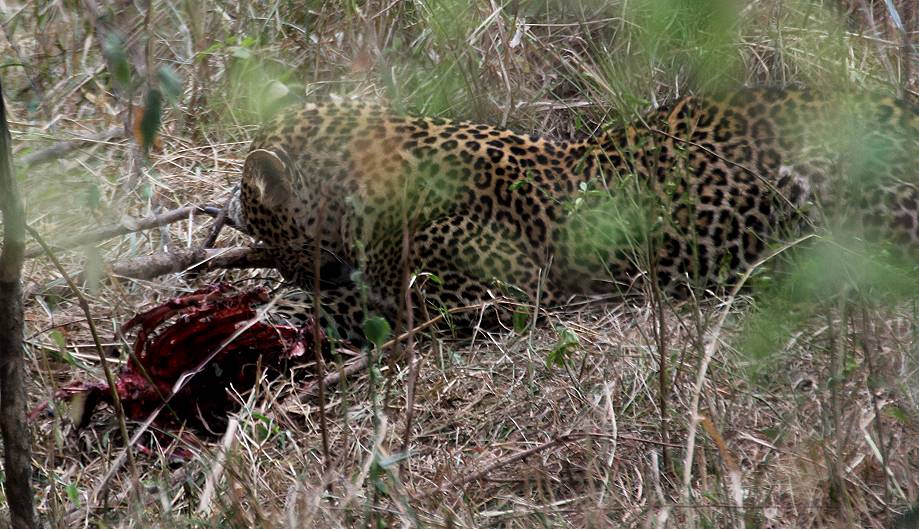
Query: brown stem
(413, 363)
(660, 339)
(317, 345)
(219, 222)
(151, 266)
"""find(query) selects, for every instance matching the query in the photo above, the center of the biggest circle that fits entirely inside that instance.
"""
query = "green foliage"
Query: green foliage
(898, 414)
(432, 69)
(418, 84)
(604, 219)
(377, 330)
(521, 319)
(264, 428)
(170, 83)
(808, 39)
(818, 276)
(698, 36)
(566, 345)
(118, 62)
(61, 354)
(255, 88)
(449, 21)
(73, 493)
(838, 265)
(152, 118)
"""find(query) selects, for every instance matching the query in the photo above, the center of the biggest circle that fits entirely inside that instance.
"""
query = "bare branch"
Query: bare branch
(63, 148)
(115, 230)
(219, 221)
(159, 264)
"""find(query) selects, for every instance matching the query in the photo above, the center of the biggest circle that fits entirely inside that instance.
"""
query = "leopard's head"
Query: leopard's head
(280, 209)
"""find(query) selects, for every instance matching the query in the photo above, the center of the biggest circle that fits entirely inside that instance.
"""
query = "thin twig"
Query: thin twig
(660, 339)
(317, 345)
(219, 222)
(413, 363)
(106, 369)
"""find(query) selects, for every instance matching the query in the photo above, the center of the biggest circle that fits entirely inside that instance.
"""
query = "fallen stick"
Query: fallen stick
(115, 230)
(150, 266)
(63, 148)
(219, 221)
(158, 264)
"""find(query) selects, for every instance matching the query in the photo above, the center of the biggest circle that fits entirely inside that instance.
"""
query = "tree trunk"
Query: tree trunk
(17, 453)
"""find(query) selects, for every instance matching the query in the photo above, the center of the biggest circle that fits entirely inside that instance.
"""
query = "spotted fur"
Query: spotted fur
(695, 192)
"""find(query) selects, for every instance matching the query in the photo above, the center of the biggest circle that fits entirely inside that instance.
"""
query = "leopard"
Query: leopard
(367, 211)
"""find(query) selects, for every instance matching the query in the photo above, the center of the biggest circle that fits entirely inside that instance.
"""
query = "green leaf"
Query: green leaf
(11, 64)
(153, 115)
(217, 46)
(240, 53)
(898, 414)
(93, 197)
(118, 61)
(73, 494)
(62, 354)
(265, 427)
(58, 338)
(170, 83)
(568, 342)
(377, 330)
(518, 184)
(521, 318)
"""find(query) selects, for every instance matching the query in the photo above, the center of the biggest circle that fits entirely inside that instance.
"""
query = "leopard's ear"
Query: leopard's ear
(268, 175)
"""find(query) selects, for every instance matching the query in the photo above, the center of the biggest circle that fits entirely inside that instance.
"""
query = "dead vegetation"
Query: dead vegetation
(571, 422)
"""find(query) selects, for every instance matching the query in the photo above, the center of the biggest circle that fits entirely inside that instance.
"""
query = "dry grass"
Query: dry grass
(822, 433)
